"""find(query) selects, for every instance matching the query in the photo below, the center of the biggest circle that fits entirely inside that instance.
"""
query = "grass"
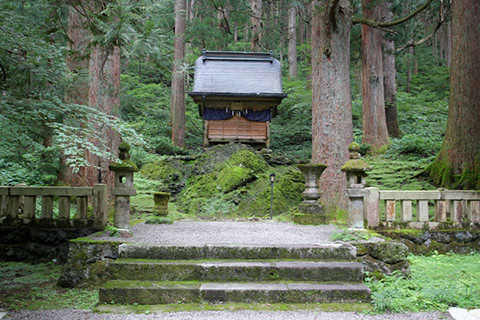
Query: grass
(33, 287)
(437, 282)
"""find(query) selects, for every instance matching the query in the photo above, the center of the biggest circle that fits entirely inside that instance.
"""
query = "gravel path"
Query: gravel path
(66, 314)
(228, 232)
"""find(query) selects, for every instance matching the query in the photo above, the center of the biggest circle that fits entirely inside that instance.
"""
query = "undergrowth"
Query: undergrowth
(437, 282)
(33, 287)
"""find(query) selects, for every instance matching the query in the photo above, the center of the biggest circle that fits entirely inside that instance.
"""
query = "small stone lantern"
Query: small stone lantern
(356, 170)
(123, 188)
(312, 173)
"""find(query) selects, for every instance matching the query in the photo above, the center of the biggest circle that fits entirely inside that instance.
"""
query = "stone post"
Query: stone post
(310, 204)
(160, 207)
(123, 188)
(355, 168)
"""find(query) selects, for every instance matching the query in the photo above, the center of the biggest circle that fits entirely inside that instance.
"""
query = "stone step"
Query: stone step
(234, 270)
(122, 292)
(333, 251)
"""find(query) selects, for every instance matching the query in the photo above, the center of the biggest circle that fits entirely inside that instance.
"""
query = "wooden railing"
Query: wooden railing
(422, 209)
(19, 204)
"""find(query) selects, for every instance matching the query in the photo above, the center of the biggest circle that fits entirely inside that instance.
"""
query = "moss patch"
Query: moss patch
(233, 177)
(146, 309)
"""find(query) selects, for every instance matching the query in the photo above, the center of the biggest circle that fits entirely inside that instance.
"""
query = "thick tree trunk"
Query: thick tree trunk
(256, 14)
(292, 41)
(78, 93)
(374, 122)
(389, 81)
(458, 163)
(103, 95)
(100, 92)
(178, 82)
(331, 97)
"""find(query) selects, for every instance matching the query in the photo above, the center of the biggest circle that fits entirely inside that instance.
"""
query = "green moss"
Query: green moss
(161, 170)
(308, 219)
(147, 309)
(287, 193)
(442, 173)
(124, 165)
(248, 159)
(91, 241)
(158, 220)
(356, 166)
(233, 177)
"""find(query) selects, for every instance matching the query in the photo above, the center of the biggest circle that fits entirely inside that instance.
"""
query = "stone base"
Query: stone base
(309, 219)
(310, 207)
(310, 212)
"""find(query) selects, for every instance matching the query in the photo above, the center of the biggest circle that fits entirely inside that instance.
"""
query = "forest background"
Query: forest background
(47, 127)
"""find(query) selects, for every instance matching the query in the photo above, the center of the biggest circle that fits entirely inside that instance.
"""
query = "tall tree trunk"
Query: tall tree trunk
(178, 82)
(100, 92)
(389, 72)
(373, 100)
(409, 68)
(331, 96)
(256, 14)
(292, 41)
(458, 163)
(103, 95)
(77, 63)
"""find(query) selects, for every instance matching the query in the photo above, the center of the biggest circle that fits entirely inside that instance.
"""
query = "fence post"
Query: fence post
(372, 206)
(100, 200)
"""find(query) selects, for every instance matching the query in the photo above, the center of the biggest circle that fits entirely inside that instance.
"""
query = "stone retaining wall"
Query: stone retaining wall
(441, 241)
(21, 243)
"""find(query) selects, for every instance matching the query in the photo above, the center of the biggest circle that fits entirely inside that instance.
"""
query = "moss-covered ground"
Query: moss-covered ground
(33, 286)
(437, 282)
(147, 309)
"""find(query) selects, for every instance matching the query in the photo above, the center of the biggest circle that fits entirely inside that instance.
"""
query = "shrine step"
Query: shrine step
(331, 251)
(125, 292)
(235, 270)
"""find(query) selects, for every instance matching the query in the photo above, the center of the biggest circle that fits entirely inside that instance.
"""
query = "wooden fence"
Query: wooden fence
(422, 209)
(54, 206)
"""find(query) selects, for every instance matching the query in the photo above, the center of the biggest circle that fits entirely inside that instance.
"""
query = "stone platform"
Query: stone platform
(218, 262)
(228, 232)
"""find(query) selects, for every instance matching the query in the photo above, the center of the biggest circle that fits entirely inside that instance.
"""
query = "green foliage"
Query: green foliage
(33, 287)
(158, 220)
(349, 235)
(436, 283)
(400, 173)
(147, 107)
(291, 129)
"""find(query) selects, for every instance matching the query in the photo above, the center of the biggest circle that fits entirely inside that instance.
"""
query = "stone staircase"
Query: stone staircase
(171, 274)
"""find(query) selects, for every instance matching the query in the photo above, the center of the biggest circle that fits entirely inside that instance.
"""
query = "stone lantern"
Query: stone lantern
(356, 170)
(312, 173)
(123, 187)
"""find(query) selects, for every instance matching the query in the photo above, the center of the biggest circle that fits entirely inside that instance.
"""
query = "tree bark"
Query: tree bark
(458, 163)
(256, 14)
(373, 99)
(331, 97)
(389, 81)
(100, 92)
(77, 63)
(292, 41)
(178, 82)
(104, 95)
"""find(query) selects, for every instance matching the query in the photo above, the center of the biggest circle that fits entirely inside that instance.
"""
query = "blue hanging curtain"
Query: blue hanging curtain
(225, 113)
(259, 115)
(216, 114)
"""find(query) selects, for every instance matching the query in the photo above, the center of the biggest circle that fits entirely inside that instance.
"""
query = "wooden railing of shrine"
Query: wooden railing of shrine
(422, 209)
(54, 206)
